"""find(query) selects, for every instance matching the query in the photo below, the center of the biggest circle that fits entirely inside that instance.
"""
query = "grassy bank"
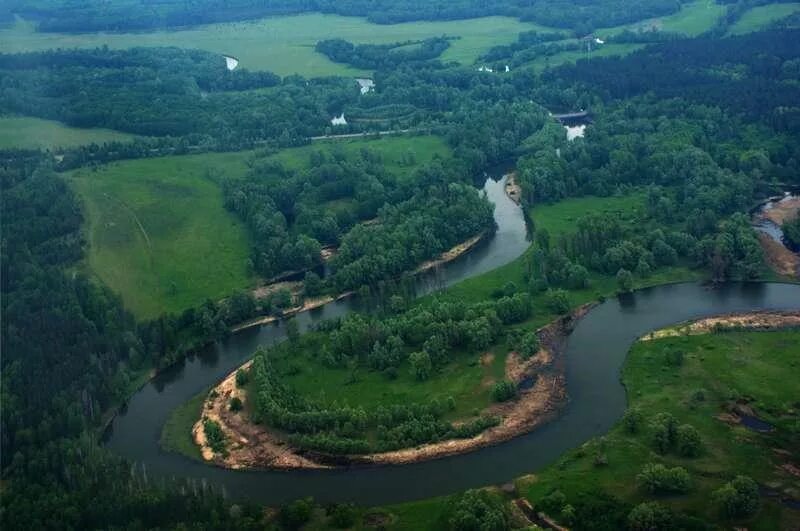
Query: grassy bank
(693, 19)
(27, 132)
(760, 17)
(285, 45)
(177, 433)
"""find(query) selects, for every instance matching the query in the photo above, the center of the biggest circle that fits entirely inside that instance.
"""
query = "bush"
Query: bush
(235, 404)
(658, 479)
(503, 391)
(342, 515)
(214, 436)
(477, 510)
(738, 498)
(293, 515)
(420, 365)
(241, 378)
(664, 432)
(688, 441)
(673, 357)
(557, 301)
(553, 503)
(650, 516)
(632, 419)
(624, 280)
(529, 345)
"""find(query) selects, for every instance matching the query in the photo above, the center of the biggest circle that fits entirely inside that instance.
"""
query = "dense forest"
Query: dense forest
(383, 224)
(583, 15)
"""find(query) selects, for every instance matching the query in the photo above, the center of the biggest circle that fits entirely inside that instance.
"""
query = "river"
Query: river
(594, 355)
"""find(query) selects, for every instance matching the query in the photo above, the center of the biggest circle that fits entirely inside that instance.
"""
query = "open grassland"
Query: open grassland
(395, 151)
(285, 45)
(27, 132)
(759, 17)
(158, 233)
(693, 19)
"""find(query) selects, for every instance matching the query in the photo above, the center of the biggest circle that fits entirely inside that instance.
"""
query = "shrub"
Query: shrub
(293, 515)
(557, 301)
(624, 280)
(214, 436)
(241, 378)
(477, 510)
(650, 516)
(664, 432)
(235, 404)
(738, 498)
(673, 357)
(342, 515)
(688, 441)
(553, 503)
(632, 419)
(529, 345)
(503, 391)
(658, 479)
(421, 365)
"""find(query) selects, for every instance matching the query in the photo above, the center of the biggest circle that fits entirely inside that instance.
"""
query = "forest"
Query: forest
(700, 128)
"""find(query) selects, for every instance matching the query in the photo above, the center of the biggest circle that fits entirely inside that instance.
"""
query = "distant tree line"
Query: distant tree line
(382, 56)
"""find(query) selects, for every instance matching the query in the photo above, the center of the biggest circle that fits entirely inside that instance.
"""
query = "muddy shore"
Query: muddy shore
(255, 446)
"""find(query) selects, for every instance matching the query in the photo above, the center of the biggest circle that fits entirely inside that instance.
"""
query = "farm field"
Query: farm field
(28, 132)
(285, 45)
(193, 249)
(759, 17)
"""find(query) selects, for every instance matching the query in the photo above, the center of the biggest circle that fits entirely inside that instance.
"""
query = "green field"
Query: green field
(572, 56)
(693, 19)
(285, 45)
(27, 132)
(759, 17)
(158, 233)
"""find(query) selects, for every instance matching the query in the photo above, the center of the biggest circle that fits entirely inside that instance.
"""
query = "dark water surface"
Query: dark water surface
(595, 353)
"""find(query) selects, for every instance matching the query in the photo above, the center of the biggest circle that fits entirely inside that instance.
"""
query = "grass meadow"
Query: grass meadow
(158, 233)
(760, 17)
(285, 45)
(28, 132)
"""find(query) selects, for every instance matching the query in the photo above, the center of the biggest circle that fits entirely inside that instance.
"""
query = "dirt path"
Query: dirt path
(767, 320)
(252, 445)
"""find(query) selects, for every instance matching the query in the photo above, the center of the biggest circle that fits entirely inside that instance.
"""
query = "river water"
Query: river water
(594, 355)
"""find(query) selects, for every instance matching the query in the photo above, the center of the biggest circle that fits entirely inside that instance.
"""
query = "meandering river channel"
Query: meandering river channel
(595, 353)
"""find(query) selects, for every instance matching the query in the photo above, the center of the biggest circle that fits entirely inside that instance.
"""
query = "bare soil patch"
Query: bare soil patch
(766, 320)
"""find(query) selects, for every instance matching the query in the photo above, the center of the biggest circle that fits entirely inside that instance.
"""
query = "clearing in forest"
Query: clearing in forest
(28, 132)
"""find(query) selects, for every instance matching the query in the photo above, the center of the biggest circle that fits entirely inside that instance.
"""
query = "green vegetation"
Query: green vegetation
(760, 17)
(572, 56)
(177, 433)
(27, 132)
(718, 369)
(693, 19)
(158, 233)
(623, 468)
(285, 45)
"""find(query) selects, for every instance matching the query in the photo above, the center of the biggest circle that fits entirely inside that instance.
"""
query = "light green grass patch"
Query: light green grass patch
(693, 19)
(28, 132)
(285, 45)
(762, 16)
(573, 56)
(724, 366)
(158, 233)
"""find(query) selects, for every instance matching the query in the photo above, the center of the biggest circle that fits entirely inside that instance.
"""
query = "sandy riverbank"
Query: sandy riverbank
(766, 320)
(513, 189)
(255, 446)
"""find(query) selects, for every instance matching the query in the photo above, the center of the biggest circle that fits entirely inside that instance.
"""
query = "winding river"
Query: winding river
(595, 352)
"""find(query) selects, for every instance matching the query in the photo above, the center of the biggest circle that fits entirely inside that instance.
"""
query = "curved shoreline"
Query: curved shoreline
(256, 446)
